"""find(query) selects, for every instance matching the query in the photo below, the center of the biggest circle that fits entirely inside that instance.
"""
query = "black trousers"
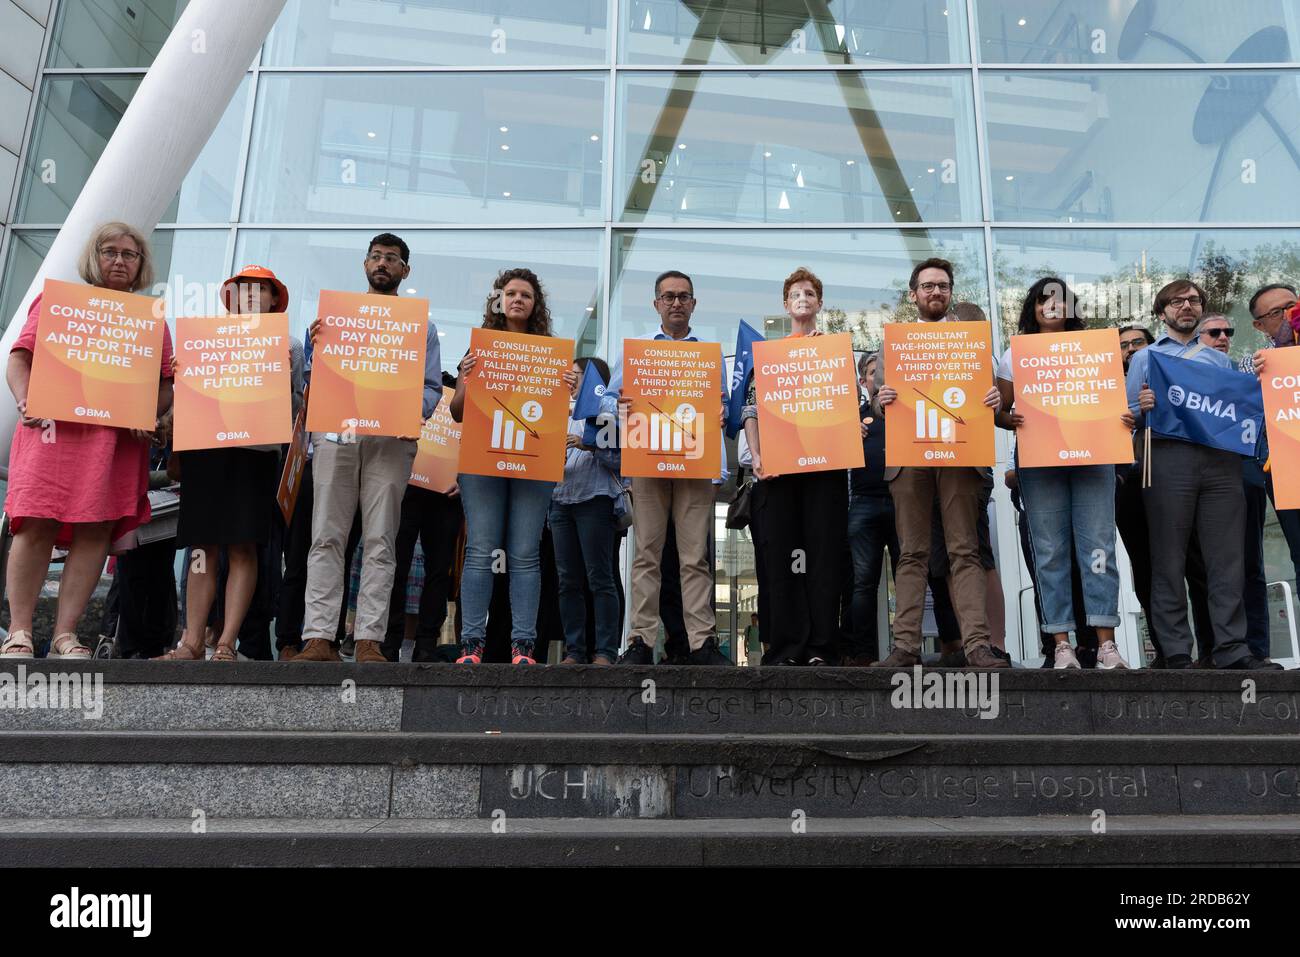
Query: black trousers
(802, 533)
(676, 644)
(434, 519)
(147, 602)
(1257, 630)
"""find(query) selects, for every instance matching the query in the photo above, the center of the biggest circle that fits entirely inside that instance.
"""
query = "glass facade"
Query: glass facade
(1117, 143)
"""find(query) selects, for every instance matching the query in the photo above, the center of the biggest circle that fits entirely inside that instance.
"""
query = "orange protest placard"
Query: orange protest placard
(295, 463)
(368, 364)
(438, 459)
(672, 425)
(1069, 386)
(516, 420)
(1281, 384)
(807, 394)
(232, 382)
(98, 357)
(941, 372)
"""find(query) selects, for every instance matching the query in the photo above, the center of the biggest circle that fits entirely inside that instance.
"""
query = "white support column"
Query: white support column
(171, 117)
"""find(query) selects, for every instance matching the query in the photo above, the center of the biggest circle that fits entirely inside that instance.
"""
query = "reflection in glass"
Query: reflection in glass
(112, 33)
(432, 148)
(74, 121)
(763, 32)
(1163, 146)
(453, 269)
(1137, 31)
(797, 147)
(190, 265)
(738, 275)
(439, 33)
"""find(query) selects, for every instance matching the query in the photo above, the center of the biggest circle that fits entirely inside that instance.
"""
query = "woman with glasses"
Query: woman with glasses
(504, 513)
(1070, 508)
(800, 513)
(74, 485)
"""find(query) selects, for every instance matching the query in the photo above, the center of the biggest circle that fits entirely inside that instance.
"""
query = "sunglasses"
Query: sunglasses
(1215, 333)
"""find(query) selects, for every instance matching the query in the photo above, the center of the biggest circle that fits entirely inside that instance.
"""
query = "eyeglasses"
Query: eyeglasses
(935, 287)
(387, 258)
(1273, 315)
(668, 298)
(128, 256)
(1178, 301)
(1215, 333)
(1129, 345)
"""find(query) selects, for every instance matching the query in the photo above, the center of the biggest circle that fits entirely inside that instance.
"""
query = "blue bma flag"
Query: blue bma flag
(1205, 405)
(746, 336)
(587, 405)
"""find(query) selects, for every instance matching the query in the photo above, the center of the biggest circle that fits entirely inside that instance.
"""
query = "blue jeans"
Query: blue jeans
(1072, 508)
(502, 513)
(871, 531)
(583, 536)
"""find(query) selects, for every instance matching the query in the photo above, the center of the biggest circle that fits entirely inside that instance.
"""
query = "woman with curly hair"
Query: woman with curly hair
(501, 512)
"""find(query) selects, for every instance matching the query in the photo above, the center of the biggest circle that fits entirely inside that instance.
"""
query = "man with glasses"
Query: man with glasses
(961, 496)
(1268, 308)
(371, 471)
(1131, 339)
(685, 503)
(1216, 332)
(1195, 491)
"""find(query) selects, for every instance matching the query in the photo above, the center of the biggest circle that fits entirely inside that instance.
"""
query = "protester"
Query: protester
(871, 528)
(435, 518)
(802, 517)
(584, 537)
(227, 501)
(502, 512)
(74, 485)
(1270, 307)
(1194, 488)
(369, 471)
(686, 504)
(960, 494)
(1070, 508)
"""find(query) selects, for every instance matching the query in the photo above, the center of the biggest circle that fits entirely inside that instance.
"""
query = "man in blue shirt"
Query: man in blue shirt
(1194, 489)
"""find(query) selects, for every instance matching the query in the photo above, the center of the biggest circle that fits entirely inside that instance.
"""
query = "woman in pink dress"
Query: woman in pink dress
(74, 485)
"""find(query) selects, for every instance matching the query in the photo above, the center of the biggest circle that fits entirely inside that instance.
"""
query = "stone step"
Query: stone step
(301, 696)
(1148, 840)
(403, 775)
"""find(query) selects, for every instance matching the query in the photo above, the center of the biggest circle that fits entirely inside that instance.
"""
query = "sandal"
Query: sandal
(68, 645)
(18, 645)
(224, 653)
(182, 652)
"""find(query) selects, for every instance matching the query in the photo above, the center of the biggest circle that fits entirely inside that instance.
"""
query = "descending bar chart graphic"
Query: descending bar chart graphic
(505, 435)
(930, 426)
(673, 433)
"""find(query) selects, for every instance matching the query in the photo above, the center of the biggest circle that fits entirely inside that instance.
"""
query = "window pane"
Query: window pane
(1115, 273)
(738, 274)
(439, 33)
(1162, 146)
(453, 269)
(74, 120)
(189, 265)
(797, 147)
(783, 31)
(112, 33)
(1138, 31)
(433, 148)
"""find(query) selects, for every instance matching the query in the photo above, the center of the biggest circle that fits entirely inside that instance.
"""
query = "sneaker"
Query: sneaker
(816, 661)
(1064, 656)
(1251, 663)
(638, 653)
(899, 658)
(984, 656)
(521, 659)
(708, 654)
(473, 656)
(1108, 657)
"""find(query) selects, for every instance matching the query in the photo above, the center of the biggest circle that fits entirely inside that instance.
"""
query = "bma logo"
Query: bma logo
(92, 413)
(600, 391)
(1196, 402)
(231, 436)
